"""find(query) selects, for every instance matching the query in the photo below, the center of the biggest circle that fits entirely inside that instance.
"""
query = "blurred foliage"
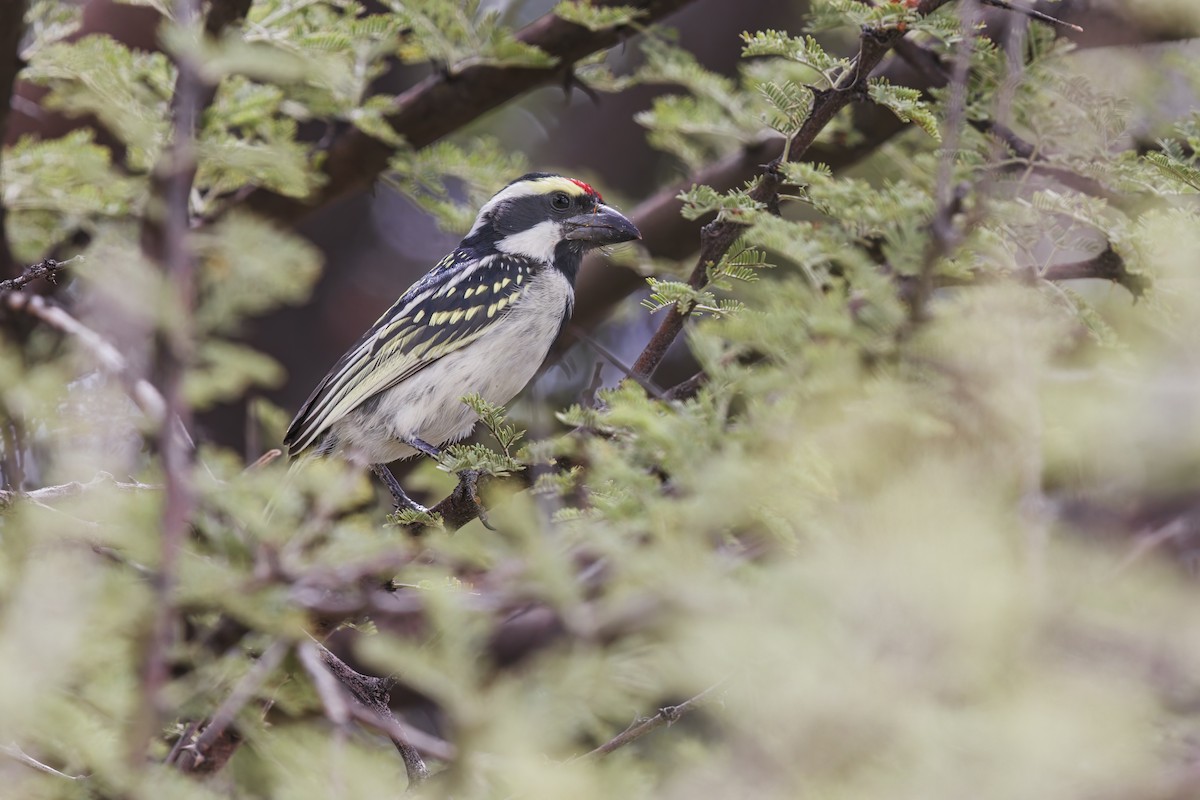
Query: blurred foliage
(913, 556)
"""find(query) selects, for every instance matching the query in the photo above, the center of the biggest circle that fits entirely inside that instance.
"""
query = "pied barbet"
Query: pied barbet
(481, 321)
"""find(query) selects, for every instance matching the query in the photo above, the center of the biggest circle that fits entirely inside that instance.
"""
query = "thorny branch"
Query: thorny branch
(665, 716)
(717, 237)
(48, 269)
(373, 693)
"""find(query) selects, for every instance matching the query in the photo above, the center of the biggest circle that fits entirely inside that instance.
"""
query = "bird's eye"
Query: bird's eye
(560, 201)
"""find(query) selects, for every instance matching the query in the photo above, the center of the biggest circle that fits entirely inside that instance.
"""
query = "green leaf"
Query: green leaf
(597, 18)
(906, 104)
(478, 170)
(800, 49)
(457, 35)
(735, 205)
(249, 266)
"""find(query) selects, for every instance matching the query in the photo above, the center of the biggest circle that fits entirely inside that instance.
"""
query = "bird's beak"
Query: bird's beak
(605, 225)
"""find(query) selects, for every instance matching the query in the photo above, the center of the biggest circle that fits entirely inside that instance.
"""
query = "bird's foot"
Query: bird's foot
(399, 496)
(424, 447)
(468, 491)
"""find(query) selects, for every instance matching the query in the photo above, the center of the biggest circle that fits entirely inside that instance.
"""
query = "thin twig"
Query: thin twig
(665, 716)
(1032, 13)
(48, 494)
(944, 233)
(147, 398)
(48, 269)
(612, 358)
(17, 754)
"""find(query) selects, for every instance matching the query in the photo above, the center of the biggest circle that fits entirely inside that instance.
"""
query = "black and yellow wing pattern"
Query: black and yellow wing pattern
(450, 307)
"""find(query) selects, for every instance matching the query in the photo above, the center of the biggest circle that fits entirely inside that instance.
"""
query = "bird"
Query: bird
(481, 321)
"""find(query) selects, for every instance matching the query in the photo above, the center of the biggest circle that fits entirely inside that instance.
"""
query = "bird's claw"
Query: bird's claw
(468, 490)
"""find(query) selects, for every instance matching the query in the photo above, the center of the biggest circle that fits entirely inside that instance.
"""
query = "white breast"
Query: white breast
(497, 365)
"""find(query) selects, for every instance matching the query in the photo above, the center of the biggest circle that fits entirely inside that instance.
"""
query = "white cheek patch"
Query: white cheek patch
(537, 242)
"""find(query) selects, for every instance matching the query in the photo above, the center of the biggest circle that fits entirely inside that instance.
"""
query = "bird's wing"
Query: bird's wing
(450, 307)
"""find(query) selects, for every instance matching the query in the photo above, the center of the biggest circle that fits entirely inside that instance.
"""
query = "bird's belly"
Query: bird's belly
(429, 405)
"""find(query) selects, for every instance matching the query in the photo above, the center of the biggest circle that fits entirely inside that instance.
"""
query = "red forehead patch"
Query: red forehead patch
(587, 188)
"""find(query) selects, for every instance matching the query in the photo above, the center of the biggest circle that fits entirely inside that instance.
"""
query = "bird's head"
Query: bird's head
(550, 219)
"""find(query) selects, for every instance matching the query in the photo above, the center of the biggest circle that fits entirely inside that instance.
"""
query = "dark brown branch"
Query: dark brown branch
(375, 694)
(442, 104)
(1106, 265)
(48, 269)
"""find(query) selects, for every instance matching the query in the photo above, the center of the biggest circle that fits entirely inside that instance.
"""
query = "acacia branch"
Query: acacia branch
(717, 237)
(48, 269)
(442, 104)
(374, 694)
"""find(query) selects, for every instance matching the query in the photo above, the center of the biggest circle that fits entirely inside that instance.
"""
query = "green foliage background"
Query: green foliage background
(942, 556)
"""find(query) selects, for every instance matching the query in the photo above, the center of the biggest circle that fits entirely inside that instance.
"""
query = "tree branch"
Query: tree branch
(718, 237)
(48, 269)
(640, 727)
(442, 104)
(48, 494)
(165, 239)
(17, 754)
(374, 694)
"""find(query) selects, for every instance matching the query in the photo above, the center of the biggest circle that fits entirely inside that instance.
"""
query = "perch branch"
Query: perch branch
(48, 269)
